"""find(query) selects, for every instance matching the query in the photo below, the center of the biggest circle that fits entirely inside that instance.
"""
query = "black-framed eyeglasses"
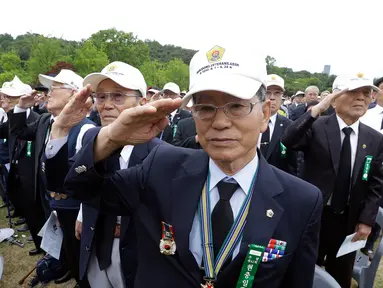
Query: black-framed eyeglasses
(231, 109)
(117, 98)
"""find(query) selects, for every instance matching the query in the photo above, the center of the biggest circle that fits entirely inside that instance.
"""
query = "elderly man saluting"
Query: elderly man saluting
(211, 217)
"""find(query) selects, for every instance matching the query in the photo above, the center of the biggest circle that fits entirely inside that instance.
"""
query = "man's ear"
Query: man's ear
(266, 112)
(143, 101)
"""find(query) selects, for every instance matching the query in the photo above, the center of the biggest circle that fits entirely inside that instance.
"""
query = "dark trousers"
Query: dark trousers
(35, 218)
(71, 246)
(332, 234)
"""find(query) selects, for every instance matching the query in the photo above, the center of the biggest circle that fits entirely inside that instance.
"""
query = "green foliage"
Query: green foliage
(31, 54)
(45, 53)
(121, 46)
(89, 58)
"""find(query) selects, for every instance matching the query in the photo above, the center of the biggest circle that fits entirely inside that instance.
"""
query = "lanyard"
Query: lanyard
(213, 266)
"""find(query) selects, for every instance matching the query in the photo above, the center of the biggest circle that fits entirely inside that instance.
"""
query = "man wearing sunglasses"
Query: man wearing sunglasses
(172, 91)
(62, 87)
(108, 243)
(201, 209)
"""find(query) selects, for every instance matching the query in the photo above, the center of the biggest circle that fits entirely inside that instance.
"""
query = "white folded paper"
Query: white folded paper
(52, 237)
(348, 246)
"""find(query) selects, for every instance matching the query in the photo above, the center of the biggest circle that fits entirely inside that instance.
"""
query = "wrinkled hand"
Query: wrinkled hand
(78, 230)
(28, 101)
(141, 123)
(73, 113)
(362, 232)
(326, 103)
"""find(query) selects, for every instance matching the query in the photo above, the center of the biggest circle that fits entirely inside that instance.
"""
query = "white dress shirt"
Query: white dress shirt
(243, 178)
(353, 141)
(373, 118)
(272, 121)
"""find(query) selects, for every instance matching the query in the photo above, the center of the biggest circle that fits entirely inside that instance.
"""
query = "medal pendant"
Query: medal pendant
(167, 247)
(208, 284)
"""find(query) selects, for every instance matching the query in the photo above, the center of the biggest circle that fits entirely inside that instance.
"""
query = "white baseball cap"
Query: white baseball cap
(66, 77)
(353, 82)
(237, 71)
(15, 88)
(275, 80)
(172, 87)
(123, 74)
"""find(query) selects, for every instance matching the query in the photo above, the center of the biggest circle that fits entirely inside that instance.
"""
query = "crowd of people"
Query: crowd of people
(268, 187)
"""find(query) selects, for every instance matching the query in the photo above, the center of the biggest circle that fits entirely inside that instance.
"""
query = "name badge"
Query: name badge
(367, 167)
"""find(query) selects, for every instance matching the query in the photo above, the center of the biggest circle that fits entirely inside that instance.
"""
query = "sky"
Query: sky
(300, 34)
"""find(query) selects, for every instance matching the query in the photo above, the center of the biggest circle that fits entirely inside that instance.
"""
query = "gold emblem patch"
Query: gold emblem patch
(111, 68)
(215, 54)
(360, 75)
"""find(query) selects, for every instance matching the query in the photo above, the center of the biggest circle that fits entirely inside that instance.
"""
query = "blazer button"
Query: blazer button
(87, 248)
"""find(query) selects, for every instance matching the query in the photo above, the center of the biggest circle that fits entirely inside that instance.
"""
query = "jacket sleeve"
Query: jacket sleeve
(119, 191)
(298, 135)
(302, 267)
(374, 191)
(20, 128)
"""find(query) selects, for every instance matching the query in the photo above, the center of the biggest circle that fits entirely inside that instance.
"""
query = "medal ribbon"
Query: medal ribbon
(167, 231)
(213, 266)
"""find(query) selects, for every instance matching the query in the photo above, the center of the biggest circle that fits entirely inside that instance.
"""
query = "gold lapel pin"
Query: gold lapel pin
(270, 213)
(364, 146)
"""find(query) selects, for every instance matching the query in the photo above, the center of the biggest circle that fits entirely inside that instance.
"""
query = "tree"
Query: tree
(178, 72)
(89, 59)
(270, 63)
(55, 69)
(121, 46)
(10, 62)
(46, 52)
(153, 72)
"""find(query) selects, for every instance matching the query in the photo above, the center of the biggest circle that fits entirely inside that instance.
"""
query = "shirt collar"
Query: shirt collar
(242, 177)
(126, 152)
(273, 118)
(354, 127)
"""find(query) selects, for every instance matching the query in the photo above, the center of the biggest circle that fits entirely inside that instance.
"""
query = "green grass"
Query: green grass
(17, 262)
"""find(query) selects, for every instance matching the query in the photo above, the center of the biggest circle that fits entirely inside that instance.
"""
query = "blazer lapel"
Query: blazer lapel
(275, 138)
(361, 153)
(186, 192)
(259, 227)
(333, 137)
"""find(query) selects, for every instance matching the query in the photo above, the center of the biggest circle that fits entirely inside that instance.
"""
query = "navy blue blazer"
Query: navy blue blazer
(167, 187)
(57, 168)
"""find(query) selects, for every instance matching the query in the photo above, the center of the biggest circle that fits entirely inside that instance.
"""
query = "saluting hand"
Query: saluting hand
(73, 113)
(142, 123)
(134, 126)
(28, 101)
(326, 103)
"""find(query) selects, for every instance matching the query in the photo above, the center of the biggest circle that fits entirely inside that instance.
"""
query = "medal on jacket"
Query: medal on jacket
(167, 244)
(213, 266)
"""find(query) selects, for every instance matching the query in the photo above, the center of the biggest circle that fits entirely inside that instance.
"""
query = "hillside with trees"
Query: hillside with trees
(31, 54)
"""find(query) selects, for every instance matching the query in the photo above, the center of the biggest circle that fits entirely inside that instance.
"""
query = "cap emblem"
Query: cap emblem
(215, 54)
